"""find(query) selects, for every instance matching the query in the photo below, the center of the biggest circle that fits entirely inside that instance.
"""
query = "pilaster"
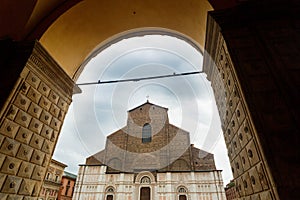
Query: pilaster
(30, 123)
(251, 62)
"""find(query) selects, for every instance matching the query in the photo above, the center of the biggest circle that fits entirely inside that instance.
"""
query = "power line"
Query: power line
(141, 79)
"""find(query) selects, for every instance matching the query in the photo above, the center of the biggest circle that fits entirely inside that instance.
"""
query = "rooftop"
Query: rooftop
(69, 175)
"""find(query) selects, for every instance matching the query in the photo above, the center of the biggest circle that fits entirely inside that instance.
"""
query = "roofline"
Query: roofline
(92, 165)
(69, 175)
(147, 102)
(158, 171)
(59, 163)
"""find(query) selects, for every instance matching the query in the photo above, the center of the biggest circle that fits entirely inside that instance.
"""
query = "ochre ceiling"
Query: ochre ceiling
(74, 33)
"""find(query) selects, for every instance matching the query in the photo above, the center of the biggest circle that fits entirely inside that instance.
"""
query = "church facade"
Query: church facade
(149, 159)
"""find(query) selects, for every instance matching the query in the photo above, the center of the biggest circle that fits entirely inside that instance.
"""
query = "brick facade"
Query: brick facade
(165, 166)
(169, 149)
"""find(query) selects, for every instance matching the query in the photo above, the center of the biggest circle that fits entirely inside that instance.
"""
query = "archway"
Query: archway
(43, 88)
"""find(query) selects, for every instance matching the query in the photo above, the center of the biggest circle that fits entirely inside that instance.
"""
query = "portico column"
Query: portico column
(31, 118)
(252, 63)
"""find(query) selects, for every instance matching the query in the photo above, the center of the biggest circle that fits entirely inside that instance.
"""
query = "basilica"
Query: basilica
(149, 159)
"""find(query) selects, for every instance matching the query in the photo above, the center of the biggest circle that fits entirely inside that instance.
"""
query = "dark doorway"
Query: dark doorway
(109, 197)
(145, 193)
(182, 197)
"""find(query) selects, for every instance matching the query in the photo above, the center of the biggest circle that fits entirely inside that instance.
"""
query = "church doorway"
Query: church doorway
(182, 197)
(109, 197)
(145, 193)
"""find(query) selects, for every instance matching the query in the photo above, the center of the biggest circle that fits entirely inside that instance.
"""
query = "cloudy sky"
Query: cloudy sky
(102, 109)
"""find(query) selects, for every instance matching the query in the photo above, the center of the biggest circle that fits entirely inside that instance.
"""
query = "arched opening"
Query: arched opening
(146, 133)
(182, 193)
(110, 193)
(180, 58)
(144, 63)
(251, 141)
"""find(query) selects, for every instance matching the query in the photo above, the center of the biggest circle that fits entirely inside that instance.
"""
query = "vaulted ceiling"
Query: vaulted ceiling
(71, 30)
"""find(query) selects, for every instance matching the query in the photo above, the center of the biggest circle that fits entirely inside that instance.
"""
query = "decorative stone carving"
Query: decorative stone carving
(24, 135)
(27, 186)
(25, 152)
(9, 128)
(11, 185)
(37, 157)
(35, 110)
(34, 95)
(26, 170)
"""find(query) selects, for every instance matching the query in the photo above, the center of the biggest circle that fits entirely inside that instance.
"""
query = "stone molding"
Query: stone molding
(41, 62)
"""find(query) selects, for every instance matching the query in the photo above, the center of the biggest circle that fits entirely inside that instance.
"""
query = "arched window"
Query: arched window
(146, 133)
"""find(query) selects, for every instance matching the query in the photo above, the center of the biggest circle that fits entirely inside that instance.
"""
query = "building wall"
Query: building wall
(250, 170)
(230, 191)
(30, 121)
(169, 149)
(93, 183)
(67, 188)
(52, 183)
(173, 166)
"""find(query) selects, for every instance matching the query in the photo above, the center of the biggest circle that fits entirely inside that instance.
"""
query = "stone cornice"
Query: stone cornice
(213, 33)
(42, 62)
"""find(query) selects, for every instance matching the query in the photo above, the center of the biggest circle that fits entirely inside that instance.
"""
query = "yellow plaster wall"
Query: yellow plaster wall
(74, 35)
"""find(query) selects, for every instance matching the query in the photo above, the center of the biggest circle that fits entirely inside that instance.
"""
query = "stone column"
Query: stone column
(252, 63)
(31, 119)
(244, 149)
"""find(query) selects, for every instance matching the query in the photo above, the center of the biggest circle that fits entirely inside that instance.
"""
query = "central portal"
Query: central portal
(182, 197)
(145, 193)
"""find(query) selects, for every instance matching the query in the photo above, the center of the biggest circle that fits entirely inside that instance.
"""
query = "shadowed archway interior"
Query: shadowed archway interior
(251, 61)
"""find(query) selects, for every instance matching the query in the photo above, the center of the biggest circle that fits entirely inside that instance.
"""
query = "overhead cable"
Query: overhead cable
(141, 79)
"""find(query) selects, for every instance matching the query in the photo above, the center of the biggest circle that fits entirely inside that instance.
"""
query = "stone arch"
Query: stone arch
(182, 192)
(165, 16)
(109, 193)
(136, 32)
(145, 189)
(18, 120)
(145, 180)
(143, 174)
(110, 189)
(182, 189)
